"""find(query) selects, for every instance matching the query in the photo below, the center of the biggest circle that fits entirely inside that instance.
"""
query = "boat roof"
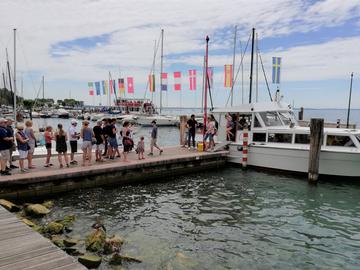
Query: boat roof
(257, 107)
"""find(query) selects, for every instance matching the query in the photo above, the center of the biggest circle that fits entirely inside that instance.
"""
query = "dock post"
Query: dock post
(316, 139)
(245, 148)
(301, 113)
(183, 121)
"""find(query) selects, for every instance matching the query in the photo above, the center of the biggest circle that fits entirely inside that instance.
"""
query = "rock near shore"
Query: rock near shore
(36, 210)
(90, 261)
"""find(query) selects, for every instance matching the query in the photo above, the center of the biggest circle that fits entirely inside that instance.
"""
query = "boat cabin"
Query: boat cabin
(135, 105)
(274, 123)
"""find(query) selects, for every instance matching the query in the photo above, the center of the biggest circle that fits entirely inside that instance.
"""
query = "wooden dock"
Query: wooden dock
(48, 181)
(22, 248)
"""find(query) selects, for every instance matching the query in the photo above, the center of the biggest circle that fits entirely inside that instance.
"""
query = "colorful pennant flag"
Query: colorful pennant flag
(228, 76)
(103, 87)
(192, 78)
(130, 84)
(121, 85)
(276, 61)
(91, 88)
(177, 81)
(97, 87)
(152, 82)
(211, 77)
(164, 82)
(106, 89)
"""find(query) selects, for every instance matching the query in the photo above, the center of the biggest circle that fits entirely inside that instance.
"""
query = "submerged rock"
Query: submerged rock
(69, 242)
(67, 221)
(90, 261)
(9, 205)
(58, 240)
(116, 259)
(95, 241)
(36, 210)
(72, 251)
(48, 204)
(54, 228)
(28, 222)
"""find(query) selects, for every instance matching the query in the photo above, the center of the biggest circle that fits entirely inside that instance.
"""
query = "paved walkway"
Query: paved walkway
(22, 248)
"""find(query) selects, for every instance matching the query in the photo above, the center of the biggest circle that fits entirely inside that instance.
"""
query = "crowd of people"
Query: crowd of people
(104, 137)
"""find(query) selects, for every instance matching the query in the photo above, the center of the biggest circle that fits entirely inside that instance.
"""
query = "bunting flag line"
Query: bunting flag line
(192, 78)
(103, 87)
(97, 87)
(91, 88)
(164, 82)
(152, 82)
(130, 85)
(211, 76)
(276, 61)
(228, 76)
(106, 89)
(177, 81)
(121, 85)
(111, 87)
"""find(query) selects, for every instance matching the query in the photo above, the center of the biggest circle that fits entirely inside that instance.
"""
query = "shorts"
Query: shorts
(87, 145)
(113, 142)
(210, 136)
(100, 147)
(153, 142)
(48, 145)
(32, 148)
(5, 154)
(73, 146)
(23, 154)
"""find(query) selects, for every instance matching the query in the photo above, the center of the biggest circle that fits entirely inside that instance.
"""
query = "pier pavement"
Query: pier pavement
(43, 181)
(22, 248)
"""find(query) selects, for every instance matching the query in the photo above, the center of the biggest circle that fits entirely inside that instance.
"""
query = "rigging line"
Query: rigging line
(152, 65)
(210, 96)
(26, 62)
(262, 66)
(238, 70)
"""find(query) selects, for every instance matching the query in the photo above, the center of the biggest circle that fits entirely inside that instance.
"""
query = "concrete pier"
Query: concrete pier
(23, 248)
(48, 181)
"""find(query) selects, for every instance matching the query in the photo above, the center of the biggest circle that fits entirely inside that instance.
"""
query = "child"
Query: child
(48, 135)
(140, 148)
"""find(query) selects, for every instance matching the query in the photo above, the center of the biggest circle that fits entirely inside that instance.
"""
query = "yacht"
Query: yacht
(161, 120)
(276, 141)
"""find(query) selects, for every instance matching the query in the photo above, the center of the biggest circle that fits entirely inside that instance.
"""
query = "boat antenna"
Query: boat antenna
(252, 63)
(206, 85)
(348, 112)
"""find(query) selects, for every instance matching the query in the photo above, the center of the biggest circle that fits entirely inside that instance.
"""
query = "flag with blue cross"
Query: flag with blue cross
(276, 63)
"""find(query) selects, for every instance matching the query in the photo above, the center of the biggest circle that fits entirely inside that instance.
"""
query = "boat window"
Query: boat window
(256, 122)
(286, 118)
(259, 137)
(271, 119)
(279, 137)
(335, 140)
(244, 121)
(302, 138)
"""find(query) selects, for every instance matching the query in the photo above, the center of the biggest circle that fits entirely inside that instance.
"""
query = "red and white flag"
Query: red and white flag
(130, 85)
(192, 78)
(177, 81)
(164, 82)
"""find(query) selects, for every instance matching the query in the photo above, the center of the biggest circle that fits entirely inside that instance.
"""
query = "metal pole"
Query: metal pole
(252, 63)
(233, 68)
(242, 75)
(43, 87)
(206, 86)
(203, 83)
(15, 75)
(3, 75)
(348, 112)
(153, 72)
(161, 66)
(257, 69)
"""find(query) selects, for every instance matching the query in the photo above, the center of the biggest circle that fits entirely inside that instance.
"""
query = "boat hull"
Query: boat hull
(160, 121)
(332, 163)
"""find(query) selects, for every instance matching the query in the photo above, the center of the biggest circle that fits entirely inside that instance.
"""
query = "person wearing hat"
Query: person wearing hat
(73, 138)
(10, 130)
(154, 134)
(6, 142)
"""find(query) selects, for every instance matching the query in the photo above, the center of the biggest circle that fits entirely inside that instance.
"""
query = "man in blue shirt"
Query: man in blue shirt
(12, 145)
(154, 134)
(5, 145)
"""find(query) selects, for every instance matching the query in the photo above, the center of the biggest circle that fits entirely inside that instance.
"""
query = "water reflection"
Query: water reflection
(228, 219)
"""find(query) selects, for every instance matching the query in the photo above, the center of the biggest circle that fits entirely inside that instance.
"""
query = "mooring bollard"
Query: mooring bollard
(316, 139)
(245, 148)
(183, 121)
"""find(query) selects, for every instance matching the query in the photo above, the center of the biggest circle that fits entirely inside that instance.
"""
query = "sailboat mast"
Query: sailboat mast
(252, 63)
(257, 69)
(151, 73)
(8, 69)
(161, 66)
(203, 83)
(206, 85)
(233, 67)
(15, 75)
(43, 87)
(3, 75)
(348, 112)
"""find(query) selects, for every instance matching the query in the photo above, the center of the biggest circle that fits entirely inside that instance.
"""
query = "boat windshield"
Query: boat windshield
(271, 119)
(358, 137)
(286, 117)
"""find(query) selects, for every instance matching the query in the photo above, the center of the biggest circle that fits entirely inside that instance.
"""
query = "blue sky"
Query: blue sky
(74, 42)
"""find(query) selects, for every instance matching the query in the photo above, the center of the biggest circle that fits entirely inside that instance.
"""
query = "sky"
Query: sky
(73, 42)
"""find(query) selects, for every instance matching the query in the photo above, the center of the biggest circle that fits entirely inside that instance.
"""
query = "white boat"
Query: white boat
(161, 120)
(276, 141)
(62, 113)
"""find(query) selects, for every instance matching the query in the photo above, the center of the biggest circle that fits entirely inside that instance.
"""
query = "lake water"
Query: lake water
(225, 219)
